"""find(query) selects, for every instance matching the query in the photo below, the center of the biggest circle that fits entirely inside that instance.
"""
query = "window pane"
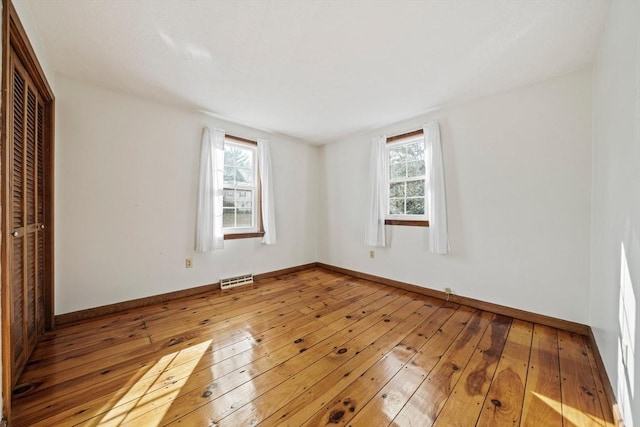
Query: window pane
(415, 168)
(244, 218)
(228, 155)
(239, 186)
(397, 155)
(244, 158)
(415, 151)
(244, 176)
(243, 195)
(228, 199)
(228, 217)
(398, 171)
(228, 175)
(396, 189)
(415, 188)
(244, 198)
(396, 206)
(415, 206)
(238, 156)
(407, 169)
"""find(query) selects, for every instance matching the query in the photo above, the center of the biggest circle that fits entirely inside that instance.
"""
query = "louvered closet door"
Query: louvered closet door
(26, 206)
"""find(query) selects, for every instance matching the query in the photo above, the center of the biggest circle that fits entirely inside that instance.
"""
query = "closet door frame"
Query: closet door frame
(14, 39)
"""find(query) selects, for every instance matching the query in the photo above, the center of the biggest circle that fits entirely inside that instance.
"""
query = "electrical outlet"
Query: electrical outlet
(372, 254)
(188, 263)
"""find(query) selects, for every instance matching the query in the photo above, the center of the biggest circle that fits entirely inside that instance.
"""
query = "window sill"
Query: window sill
(243, 235)
(410, 223)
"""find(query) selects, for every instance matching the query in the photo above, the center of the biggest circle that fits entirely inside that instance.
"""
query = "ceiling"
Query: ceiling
(317, 70)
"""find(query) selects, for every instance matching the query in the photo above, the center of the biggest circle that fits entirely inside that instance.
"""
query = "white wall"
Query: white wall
(517, 170)
(126, 181)
(616, 200)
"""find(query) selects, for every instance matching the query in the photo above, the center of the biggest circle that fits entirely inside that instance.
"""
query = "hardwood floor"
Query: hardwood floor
(311, 348)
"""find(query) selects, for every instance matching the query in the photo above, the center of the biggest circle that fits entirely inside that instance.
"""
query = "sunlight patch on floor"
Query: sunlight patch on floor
(571, 414)
(137, 401)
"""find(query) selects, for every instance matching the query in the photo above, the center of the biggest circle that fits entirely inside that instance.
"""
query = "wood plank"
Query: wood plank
(526, 316)
(607, 410)
(91, 361)
(503, 403)
(580, 403)
(425, 404)
(463, 407)
(267, 329)
(394, 395)
(188, 331)
(303, 406)
(70, 344)
(87, 353)
(610, 405)
(274, 399)
(273, 354)
(346, 404)
(220, 307)
(228, 367)
(202, 373)
(180, 338)
(302, 344)
(543, 380)
(68, 396)
(42, 384)
(295, 326)
(332, 348)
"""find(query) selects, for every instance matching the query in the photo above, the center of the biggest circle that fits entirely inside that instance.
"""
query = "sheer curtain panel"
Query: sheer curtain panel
(266, 180)
(209, 234)
(374, 226)
(438, 235)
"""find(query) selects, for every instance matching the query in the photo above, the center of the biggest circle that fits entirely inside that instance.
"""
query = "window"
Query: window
(240, 217)
(406, 180)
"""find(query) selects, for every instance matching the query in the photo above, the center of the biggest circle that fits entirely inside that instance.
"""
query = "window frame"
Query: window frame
(404, 219)
(232, 233)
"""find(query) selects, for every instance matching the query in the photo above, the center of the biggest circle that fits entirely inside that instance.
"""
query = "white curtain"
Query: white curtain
(374, 227)
(438, 235)
(209, 234)
(266, 180)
